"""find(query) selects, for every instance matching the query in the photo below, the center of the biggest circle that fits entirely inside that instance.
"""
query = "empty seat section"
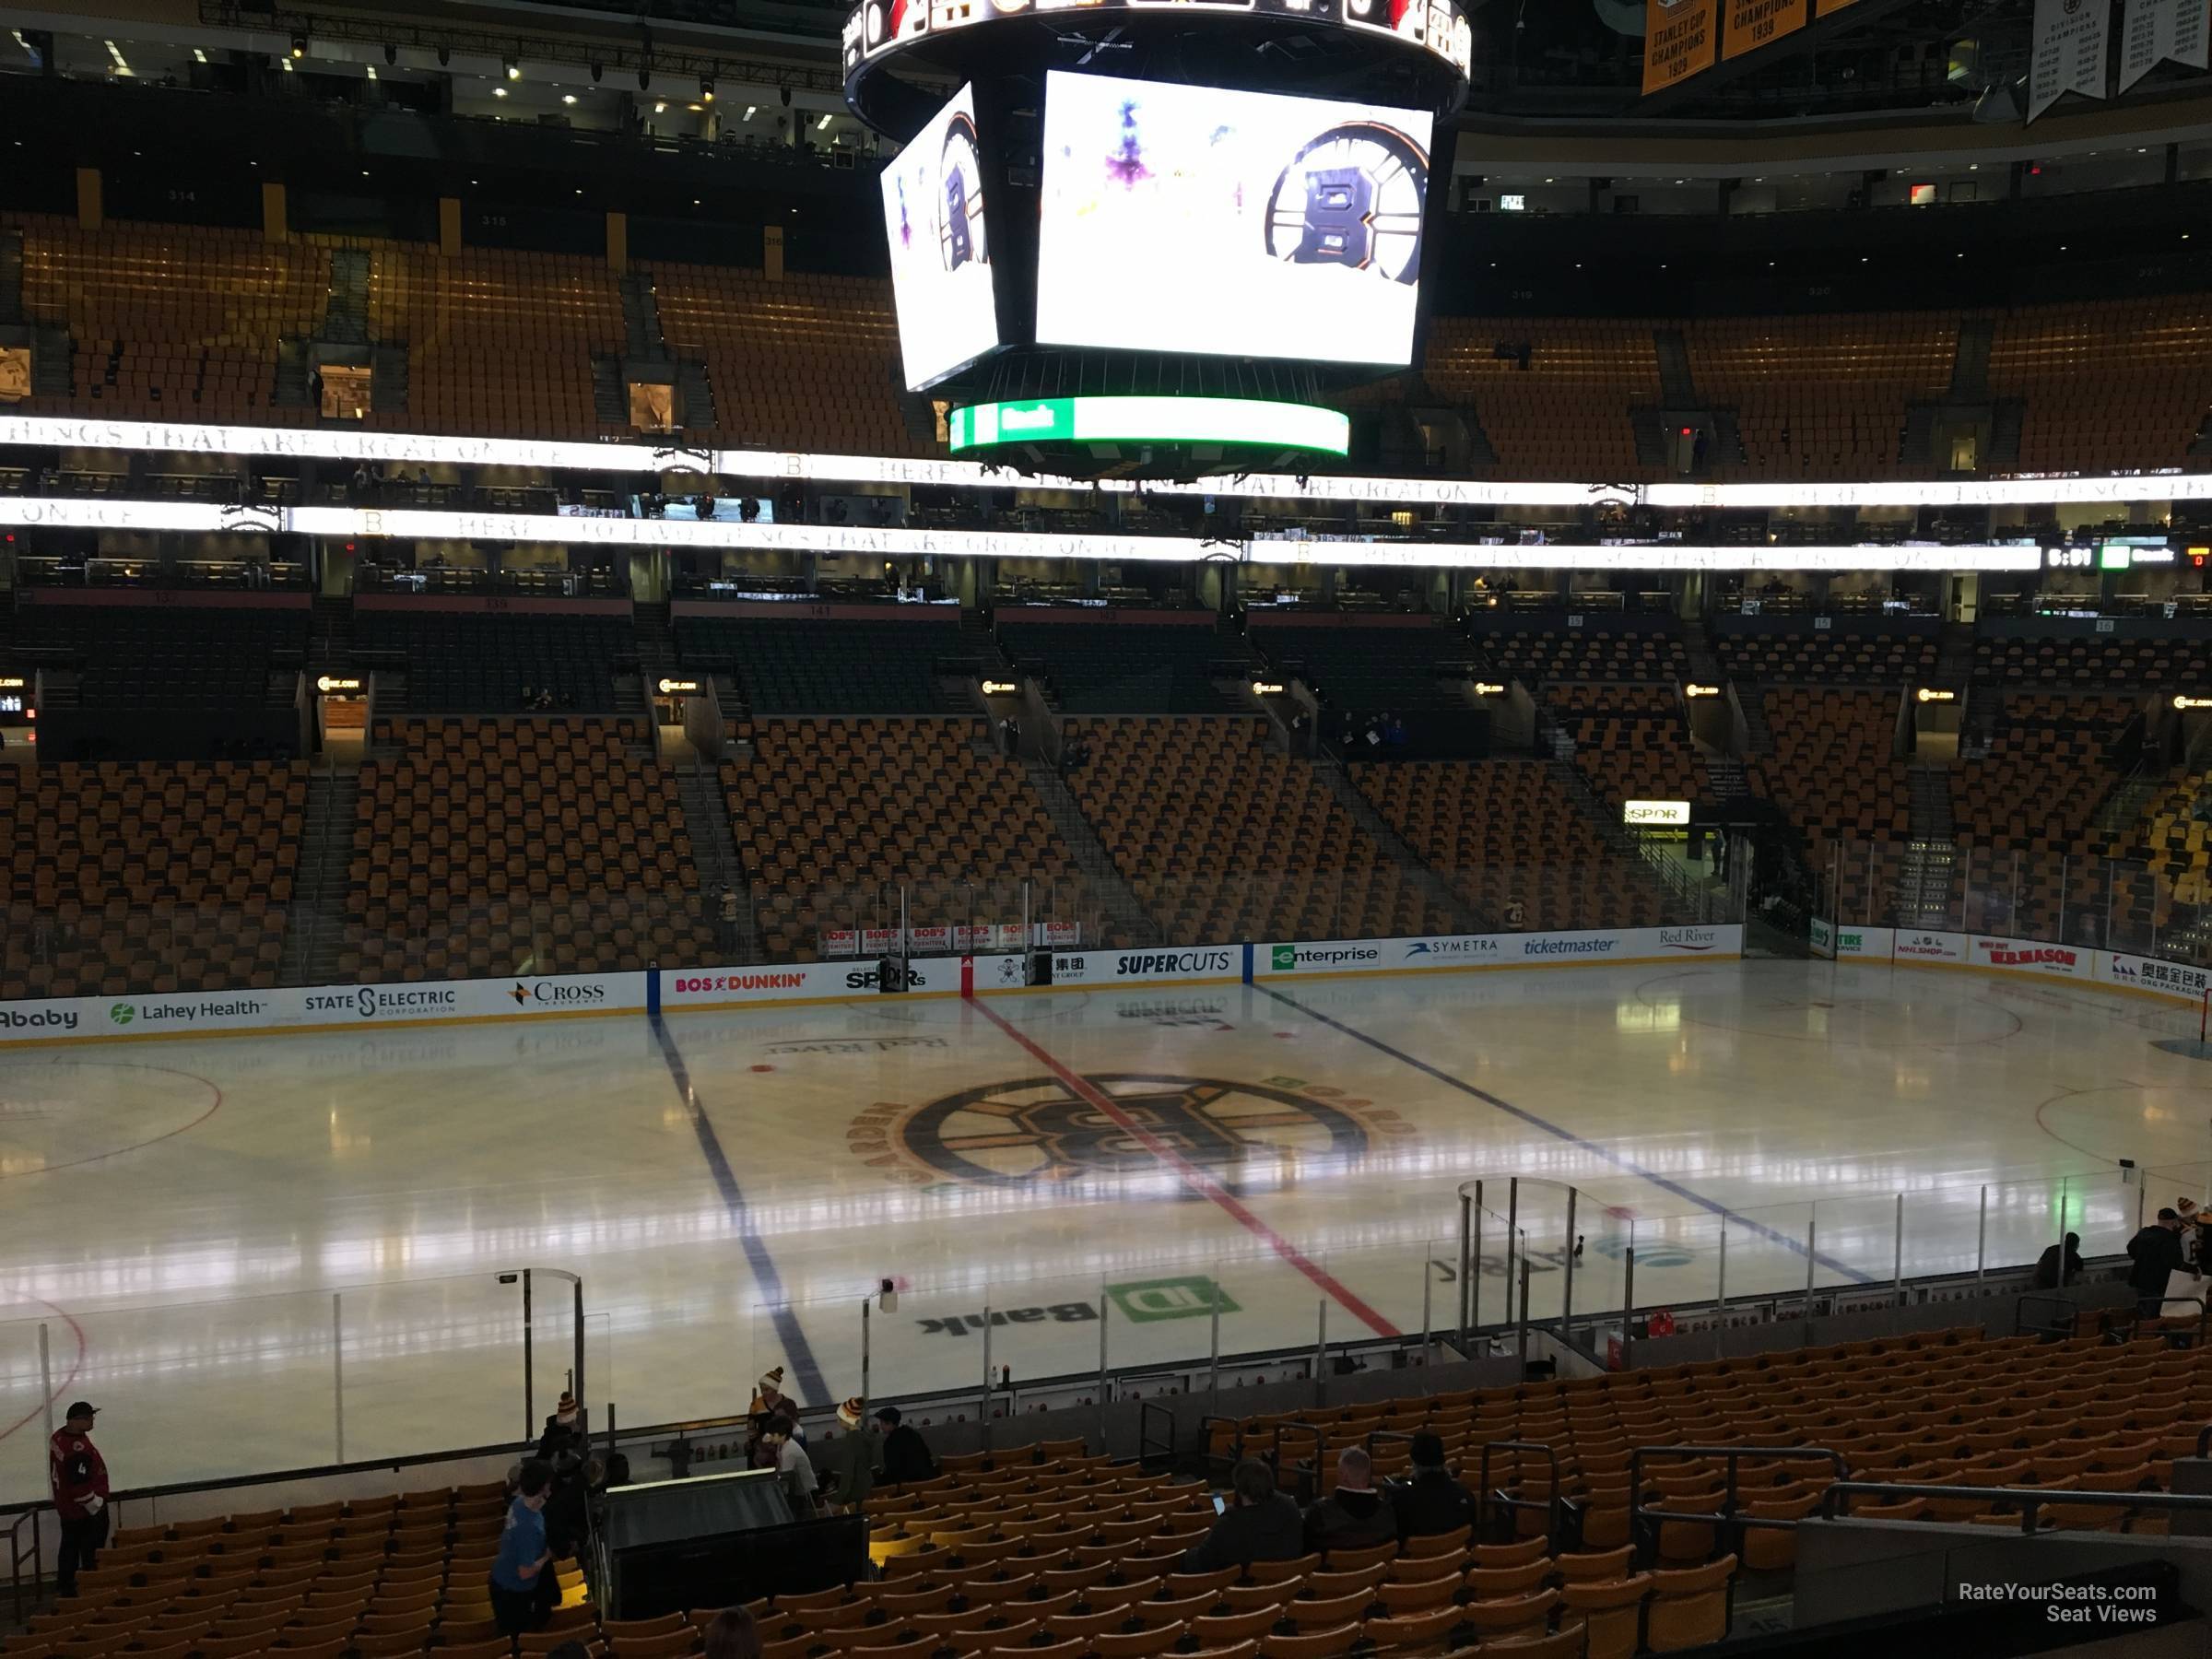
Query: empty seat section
(475, 662)
(1225, 838)
(175, 322)
(842, 667)
(1369, 669)
(833, 818)
(499, 342)
(483, 848)
(2109, 384)
(145, 878)
(1632, 742)
(1507, 833)
(1602, 649)
(809, 362)
(1563, 411)
(1822, 396)
(1128, 668)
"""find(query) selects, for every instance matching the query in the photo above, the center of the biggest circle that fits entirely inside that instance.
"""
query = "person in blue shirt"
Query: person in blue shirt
(523, 1558)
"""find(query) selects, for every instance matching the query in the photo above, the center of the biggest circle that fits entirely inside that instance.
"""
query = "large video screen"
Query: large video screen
(933, 209)
(1243, 224)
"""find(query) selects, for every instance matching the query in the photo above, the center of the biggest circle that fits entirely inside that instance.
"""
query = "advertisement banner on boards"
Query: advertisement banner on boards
(1865, 944)
(1495, 950)
(1680, 40)
(1126, 966)
(2181, 980)
(185, 1013)
(1821, 935)
(730, 987)
(1755, 23)
(1924, 945)
(2031, 956)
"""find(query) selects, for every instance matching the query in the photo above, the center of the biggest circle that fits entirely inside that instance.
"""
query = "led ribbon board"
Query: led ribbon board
(1250, 421)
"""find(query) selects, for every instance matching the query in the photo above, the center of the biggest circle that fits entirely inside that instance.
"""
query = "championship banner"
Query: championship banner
(14, 374)
(2069, 53)
(1755, 23)
(2156, 29)
(1829, 9)
(1680, 40)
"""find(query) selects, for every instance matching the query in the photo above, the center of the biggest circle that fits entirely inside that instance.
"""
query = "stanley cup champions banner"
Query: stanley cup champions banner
(2156, 29)
(1681, 38)
(2068, 54)
(1755, 23)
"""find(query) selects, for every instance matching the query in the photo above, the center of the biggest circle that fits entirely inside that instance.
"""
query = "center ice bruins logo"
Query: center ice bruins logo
(1032, 1130)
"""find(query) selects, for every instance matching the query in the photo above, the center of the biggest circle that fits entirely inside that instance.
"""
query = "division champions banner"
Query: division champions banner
(2155, 31)
(2068, 54)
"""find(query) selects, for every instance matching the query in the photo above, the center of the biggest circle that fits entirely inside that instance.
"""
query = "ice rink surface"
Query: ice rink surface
(243, 1248)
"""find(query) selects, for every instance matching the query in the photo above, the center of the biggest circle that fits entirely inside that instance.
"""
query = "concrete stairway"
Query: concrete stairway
(317, 931)
(1465, 917)
(1124, 914)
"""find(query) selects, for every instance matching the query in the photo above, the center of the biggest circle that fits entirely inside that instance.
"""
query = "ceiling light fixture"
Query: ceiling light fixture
(706, 91)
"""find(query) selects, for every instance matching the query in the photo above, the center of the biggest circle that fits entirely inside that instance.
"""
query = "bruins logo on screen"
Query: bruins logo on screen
(1352, 197)
(960, 214)
(1038, 1130)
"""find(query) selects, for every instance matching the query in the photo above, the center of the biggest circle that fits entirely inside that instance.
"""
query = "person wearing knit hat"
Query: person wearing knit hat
(770, 1400)
(849, 1461)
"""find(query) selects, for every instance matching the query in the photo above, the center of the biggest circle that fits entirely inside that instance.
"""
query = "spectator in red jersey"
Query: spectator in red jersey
(80, 1496)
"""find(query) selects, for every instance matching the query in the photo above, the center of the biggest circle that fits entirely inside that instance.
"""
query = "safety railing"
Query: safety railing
(2031, 1503)
(299, 1380)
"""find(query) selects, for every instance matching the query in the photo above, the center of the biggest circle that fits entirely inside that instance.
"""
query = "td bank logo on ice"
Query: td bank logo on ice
(1150, 1300)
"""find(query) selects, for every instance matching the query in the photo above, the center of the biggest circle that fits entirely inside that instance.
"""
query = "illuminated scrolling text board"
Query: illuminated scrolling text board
(1229, 420)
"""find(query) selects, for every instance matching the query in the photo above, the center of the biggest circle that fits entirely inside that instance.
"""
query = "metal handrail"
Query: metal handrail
(1144, 1408)
(2019, 1311)
(17, 1555)
(1552, 1506)
(1321, 1444)
(2030, 1500)
(1639, 1512)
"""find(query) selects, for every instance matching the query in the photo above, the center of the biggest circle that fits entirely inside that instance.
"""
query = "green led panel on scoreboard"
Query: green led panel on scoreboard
(1258, 422)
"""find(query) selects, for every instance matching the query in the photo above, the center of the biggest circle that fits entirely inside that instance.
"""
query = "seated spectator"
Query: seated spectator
(1433, 1501)
(905, 1453)
(733, 1634)
(1260, 1524)
(1354, 1516)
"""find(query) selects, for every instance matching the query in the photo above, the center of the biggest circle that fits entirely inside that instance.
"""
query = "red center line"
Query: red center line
(1196, 1179)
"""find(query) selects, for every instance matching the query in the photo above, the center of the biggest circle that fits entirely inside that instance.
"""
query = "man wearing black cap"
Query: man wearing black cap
(2157, 1254)
(80, 1496)
(1432, 1502)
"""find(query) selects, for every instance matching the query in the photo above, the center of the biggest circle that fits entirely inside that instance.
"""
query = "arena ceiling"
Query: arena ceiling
(1533, 59)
